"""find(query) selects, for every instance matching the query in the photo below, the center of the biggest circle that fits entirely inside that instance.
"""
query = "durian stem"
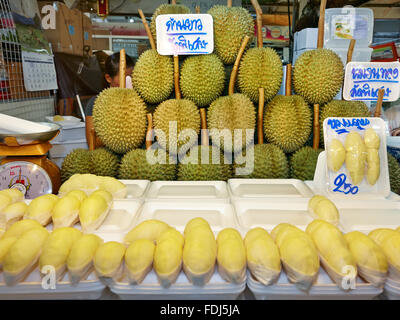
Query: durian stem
(350, 50)
(259, 13)
(229, 3)
(321, 22)
(204, 133)
(149, 134)
(316, 127)
(122, 69)
(288, 84)
(197, 9)
(236, 65)
(260, 132)
(147, 28)
(176, 77)
(378, 107)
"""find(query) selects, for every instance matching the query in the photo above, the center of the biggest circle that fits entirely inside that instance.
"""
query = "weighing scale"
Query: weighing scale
(25, 165)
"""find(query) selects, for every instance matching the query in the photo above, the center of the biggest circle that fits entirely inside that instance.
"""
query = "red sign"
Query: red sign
(102, 8)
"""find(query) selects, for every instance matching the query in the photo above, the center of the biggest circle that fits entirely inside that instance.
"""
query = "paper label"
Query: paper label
(39, 71)
(349, 27)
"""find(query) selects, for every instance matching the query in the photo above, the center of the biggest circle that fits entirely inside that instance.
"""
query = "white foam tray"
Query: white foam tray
(62, 149)
(188, 191)
(136, 189)
(392, 290)
(267, 188)
(323, 289)
(68, 121)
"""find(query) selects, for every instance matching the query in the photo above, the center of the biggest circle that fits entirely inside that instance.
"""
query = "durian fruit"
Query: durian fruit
(324, 209)
(380, 235)
(303, 163)
(202, 79)
(371, 260)
(78, 194)
(153, 165)
(23, 255)
(318, 75)
(92, 212)
(372, 142)
(5, 201)
(56, 250)
(12, 213)
(183, 118)
(65, 212)
(233, 112)
(260, 68)
(231, 256)
(356, 156)
(263, 259)
(298, 254)
(204, 163)
(149, 229)
(77, 161)
(20, 227)
(40, 209)
(199, 252)
(5, 245)
(120, 119)
(342, 109)
(108, 261)
(270, 162)
(104, 162)
(153, 76)
(105, 194)
(336, 155)
(139, 260)
(287, 122)
(394, 173)
(231, 25)
(15, 194)
(333, 250)
(80, 258)
(168, 257)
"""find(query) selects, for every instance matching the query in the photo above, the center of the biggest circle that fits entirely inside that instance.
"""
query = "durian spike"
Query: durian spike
(197, 9)
(176, 77)
(147, 28)
(316, 127)
(122, 69)
(229, 3)
(378, 107)
(321, 22)
(149, 134)
(204, 132)
(236, 65)
(350, 50)
(260, 132)
(259, 13)
(288, 84)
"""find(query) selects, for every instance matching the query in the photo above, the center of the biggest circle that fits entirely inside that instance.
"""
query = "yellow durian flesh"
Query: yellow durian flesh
(139, 259)
(79, 194)
(103, 193)
(231, 256)
(373, 166)
(370, 259)
(113, 186)
(356, 156)
(371, 139)
(398, 229)
(20, 227)
(12, 213)
(263, 258)
(282, 230)
(195, 223)
(313, 202)
(57, 248)
(327, 211)
(23, 255)
(336, 155)
(5, 245)
(80, 258)
(149, 229)
(2, 231)
(5, 201)
(380, 235)
(93, 212)
(171, 233)
(85, 182)
(391, 248)
(40, 209)
(66, 212)
(14, 194)
(108, 260)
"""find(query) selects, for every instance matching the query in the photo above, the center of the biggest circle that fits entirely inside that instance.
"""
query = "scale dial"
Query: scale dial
(31, 179)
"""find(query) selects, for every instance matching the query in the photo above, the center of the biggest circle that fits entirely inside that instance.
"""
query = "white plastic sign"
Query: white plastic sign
(363, 80)
(185, 34)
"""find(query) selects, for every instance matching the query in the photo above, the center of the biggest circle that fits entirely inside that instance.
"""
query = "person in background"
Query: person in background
(112, 78)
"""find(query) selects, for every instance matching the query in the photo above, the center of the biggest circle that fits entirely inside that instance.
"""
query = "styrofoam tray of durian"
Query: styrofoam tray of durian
(188, 191)
(323, 288)
(268, 188)
(392, 289)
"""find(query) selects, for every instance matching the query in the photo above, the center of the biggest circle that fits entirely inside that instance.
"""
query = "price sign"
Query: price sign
(185, 34)
(364, 79)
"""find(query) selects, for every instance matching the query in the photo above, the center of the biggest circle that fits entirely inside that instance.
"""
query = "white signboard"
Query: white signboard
(185, 34)
(364, 79)
(39, 71)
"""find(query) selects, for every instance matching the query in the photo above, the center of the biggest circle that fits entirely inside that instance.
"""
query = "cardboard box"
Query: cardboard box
(87, 34)
(101, 43)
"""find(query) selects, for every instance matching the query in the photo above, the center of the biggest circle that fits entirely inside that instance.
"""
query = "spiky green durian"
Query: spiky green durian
(260, 68)
(77, 161)
(262, 161)
(204, 163)
(318, 75)
(120, 119)
(184, 118)
(147, 165)
(202, 79)
(104, 162)
(234, 112)
(231, 25)
(303, 163)
(394, 174)
(153, 76)
(287, 122)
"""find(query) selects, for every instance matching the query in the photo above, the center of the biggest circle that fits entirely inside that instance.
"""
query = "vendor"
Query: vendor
(112, 78)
